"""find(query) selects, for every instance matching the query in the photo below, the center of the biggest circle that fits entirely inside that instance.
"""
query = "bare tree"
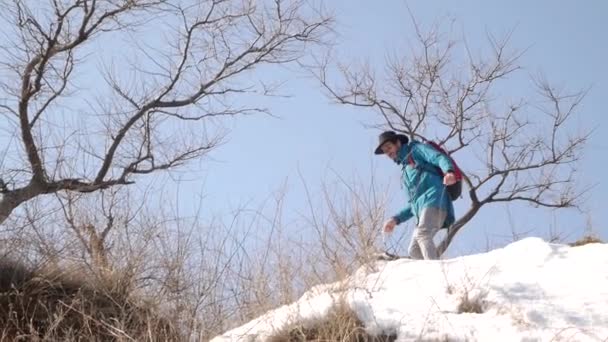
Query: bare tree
(169, 69)
(526, 149)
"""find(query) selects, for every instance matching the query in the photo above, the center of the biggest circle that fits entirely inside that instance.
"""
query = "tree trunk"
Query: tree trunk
(453, 229)
(12, 199)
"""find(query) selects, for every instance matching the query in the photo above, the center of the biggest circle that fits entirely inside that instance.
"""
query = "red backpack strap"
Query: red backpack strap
(411, 161)
(457, 171)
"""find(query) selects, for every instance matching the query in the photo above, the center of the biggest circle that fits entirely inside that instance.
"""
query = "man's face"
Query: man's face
(390, 149)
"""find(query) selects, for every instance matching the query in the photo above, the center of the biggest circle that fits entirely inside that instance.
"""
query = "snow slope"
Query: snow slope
(531, 291)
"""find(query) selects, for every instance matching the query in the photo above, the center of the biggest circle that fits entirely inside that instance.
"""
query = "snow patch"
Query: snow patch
(530, 290)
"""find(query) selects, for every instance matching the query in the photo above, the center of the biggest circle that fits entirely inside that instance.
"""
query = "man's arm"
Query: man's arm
(404, 214)
(432, 156)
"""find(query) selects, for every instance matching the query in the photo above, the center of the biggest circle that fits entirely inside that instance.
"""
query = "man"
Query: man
(429, 201)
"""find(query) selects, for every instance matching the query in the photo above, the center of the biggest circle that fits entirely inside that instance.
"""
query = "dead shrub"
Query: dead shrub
(341, 324)
(52, 305)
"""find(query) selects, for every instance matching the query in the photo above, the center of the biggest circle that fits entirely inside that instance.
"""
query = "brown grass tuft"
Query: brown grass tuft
(340, 325)
(470, 304)
(50, 306)
(587, 239)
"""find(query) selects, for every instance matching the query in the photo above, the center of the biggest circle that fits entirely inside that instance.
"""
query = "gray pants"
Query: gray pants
(422, 245)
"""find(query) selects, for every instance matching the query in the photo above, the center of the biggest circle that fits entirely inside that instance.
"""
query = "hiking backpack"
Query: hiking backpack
(454, 190)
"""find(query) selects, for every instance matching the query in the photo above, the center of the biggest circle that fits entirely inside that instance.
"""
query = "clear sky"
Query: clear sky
(314, 138)
(563, 39)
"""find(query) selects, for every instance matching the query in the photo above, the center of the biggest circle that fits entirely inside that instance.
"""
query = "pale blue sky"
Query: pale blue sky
(565, 40)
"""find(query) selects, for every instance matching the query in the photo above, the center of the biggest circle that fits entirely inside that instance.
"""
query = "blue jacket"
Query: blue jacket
(423, 183)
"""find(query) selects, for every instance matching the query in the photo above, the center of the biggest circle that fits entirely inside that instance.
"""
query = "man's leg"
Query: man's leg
(414, 250)
(431, 220)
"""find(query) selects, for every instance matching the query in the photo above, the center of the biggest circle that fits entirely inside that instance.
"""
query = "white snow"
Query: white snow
(531, 291)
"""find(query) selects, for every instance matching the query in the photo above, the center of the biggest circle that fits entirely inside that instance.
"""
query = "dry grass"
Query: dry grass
(587, 239)
(340, 325)
(46, 305)
(470, 304)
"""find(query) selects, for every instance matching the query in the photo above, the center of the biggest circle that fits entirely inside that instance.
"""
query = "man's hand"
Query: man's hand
(389, 225)
(449, 178)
